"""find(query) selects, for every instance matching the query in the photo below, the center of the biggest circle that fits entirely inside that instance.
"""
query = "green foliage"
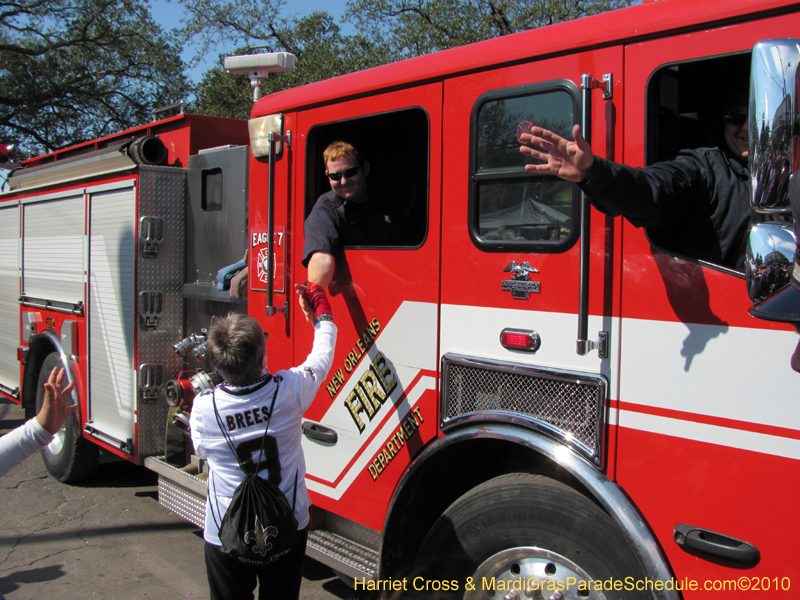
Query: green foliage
(72, 70)
(409, 28)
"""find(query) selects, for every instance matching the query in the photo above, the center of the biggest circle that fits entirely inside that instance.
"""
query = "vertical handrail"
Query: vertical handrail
(583, 345)
(272, 139)
(271, 310)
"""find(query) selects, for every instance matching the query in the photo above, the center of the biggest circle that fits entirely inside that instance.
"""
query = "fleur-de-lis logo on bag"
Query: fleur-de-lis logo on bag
(260, 535)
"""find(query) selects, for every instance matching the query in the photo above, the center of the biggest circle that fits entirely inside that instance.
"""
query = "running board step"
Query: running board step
(342, 555)
(179, 491)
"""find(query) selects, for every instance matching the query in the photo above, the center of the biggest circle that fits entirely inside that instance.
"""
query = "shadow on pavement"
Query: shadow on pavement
(11, 583)
(120, 474)
(89, 532)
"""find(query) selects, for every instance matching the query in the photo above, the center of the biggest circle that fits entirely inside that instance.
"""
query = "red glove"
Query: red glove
(317, 298)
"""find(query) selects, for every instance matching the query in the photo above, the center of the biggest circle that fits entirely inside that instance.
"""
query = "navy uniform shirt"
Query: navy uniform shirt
(335, 223)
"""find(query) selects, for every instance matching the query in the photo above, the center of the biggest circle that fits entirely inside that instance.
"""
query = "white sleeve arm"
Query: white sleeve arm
(316, 366)
(197, 432)
(21, 443)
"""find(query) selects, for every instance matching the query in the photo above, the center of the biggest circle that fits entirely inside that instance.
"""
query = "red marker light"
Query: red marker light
(520, 339)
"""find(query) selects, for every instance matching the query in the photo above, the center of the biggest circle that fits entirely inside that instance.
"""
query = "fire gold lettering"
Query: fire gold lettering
(371, 391)
(336, 383)
(384, 373)
(354, 356)
(354, 405)
(395, 443)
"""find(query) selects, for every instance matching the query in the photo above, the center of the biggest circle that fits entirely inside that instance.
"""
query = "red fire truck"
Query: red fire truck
(528, 399)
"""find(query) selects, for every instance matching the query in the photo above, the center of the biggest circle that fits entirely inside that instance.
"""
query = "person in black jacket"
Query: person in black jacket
(699, 200)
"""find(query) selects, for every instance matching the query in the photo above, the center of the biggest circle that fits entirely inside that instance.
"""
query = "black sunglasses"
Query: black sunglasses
(337, 175)
(737, 119)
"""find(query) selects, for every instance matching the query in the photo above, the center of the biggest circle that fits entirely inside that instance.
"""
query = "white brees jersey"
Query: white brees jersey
(243, 412)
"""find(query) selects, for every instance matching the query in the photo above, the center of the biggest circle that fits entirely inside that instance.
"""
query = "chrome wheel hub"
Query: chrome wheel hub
(530, 574)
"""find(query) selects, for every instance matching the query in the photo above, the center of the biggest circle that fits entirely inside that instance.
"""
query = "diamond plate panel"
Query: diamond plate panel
(162, 195)
(182, 502)
(571, 404)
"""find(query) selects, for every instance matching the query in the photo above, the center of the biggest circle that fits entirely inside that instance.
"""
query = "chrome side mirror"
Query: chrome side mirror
(770, 259)
(772, 108)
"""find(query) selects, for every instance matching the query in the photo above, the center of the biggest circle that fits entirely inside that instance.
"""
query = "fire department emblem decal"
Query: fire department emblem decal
(263, 264)
(520, 285)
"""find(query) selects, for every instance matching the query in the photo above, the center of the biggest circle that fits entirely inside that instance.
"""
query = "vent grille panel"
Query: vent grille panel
(570, 404)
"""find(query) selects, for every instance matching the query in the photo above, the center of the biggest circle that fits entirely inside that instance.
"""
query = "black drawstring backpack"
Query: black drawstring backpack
(259, 526)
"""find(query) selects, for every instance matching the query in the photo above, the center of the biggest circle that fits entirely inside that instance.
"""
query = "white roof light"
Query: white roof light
(259, 66)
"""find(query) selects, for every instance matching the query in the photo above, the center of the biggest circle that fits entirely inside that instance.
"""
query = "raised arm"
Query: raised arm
(316, 366)
(320, 271)
(36, 433)
(56, 405)
(563, 158)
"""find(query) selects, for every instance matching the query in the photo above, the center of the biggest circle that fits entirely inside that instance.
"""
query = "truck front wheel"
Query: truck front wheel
(526, 536)
(68, 458)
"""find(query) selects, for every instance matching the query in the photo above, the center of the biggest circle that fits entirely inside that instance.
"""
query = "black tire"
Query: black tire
(68, 458)
(526, 528)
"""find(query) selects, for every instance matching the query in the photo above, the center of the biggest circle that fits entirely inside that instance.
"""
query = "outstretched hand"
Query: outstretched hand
(305, 306)
(56, 405)
(313, 300)
(563, 158)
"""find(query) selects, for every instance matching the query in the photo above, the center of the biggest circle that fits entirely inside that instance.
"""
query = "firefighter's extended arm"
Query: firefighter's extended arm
(563, 158)
(314, 301)
(320, 268)
(320, 272)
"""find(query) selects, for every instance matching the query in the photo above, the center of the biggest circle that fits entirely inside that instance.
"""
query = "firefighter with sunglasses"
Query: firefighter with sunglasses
(347, 216)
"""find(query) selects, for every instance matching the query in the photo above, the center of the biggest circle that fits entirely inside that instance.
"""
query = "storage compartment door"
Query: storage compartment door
(112, 318)
(52, 248)
(9, 295)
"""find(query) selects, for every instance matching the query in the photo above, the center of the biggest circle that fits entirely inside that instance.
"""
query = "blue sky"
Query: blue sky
(168, 15)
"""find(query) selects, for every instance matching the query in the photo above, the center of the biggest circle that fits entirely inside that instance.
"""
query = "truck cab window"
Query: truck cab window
(685, 102)
(686, 105)
(398, 172)
(510, 208)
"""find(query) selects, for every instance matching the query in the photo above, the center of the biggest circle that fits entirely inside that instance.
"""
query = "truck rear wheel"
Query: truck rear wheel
(526, 536)
(68, 458)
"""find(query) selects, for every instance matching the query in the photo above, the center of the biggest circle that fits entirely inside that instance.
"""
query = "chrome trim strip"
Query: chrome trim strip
(520, 420)
(13, 392)
(124, 445)
(52, 305)
(175, 475)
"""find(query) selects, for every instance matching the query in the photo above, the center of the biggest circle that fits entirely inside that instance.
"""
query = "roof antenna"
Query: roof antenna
(259, 66)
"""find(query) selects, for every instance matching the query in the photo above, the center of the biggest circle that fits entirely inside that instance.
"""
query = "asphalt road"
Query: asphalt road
(108, 538)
